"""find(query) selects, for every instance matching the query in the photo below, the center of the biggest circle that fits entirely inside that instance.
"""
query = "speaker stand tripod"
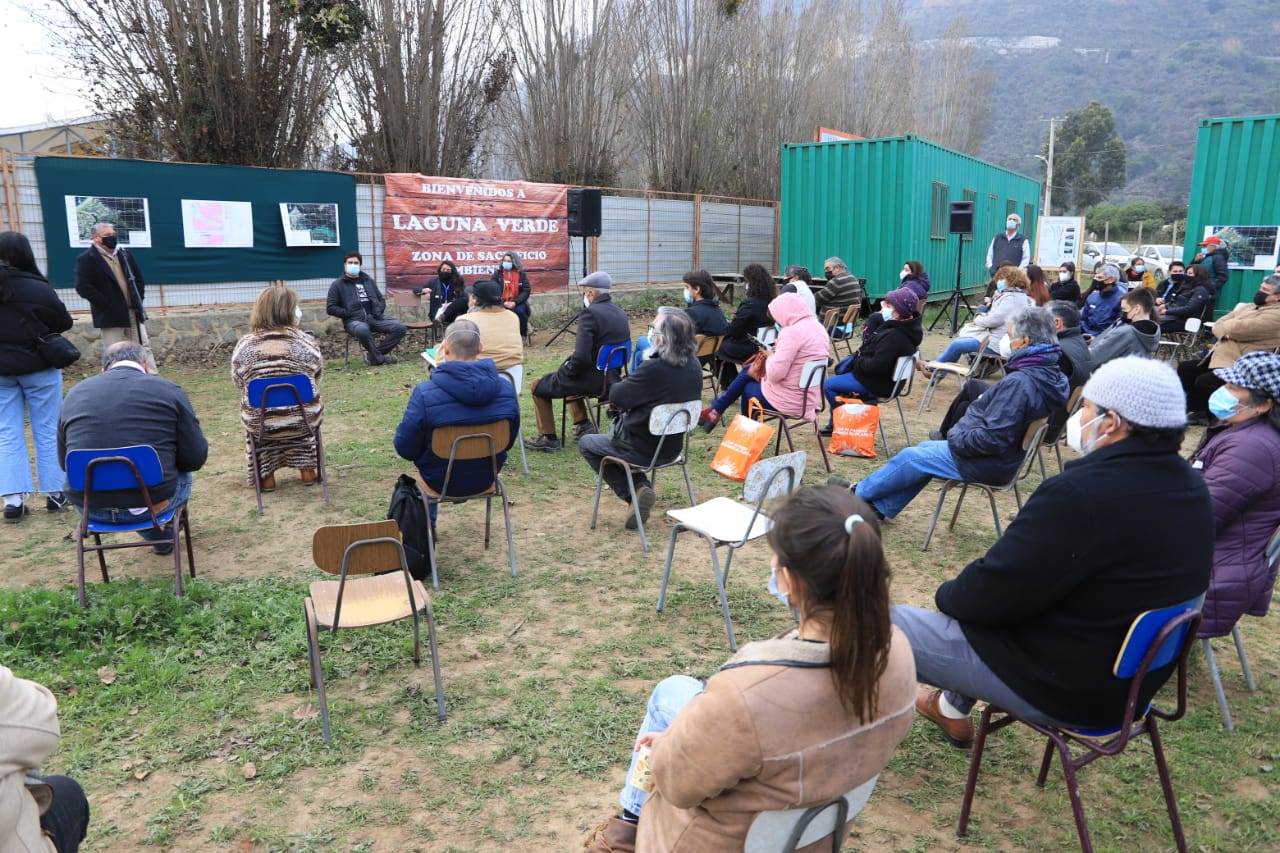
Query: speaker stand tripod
(957, 300)
(568, 327)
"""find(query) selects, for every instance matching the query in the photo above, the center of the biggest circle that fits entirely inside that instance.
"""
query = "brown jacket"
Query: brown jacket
(28, 735)
(768, 733)
(1246, 329)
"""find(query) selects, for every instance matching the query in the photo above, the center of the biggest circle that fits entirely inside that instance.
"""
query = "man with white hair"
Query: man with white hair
(1010, 246)
(1102, 304)
(669, 373)
(1034, 625)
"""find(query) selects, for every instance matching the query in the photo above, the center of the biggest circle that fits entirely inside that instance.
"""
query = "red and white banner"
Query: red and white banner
(427, 220)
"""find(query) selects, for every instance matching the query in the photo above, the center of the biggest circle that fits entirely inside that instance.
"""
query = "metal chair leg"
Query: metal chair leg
(1212, 663)
(506, 518)
(722, 593)
(435, 659)
(317, 668)
(1244, 659)
(666, 570)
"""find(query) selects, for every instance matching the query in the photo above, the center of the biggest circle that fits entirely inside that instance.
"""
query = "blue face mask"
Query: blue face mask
(353, 270)
(506, 265)
(1223, 404)
(688, 298)
(1011, 225)
(785, 598)
(1001, 285)
(1139, 268)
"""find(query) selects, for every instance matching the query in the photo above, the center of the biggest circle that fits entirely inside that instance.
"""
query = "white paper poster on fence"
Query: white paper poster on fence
(309, 224)
(217, 224)
(130, 216)
(1058, 240)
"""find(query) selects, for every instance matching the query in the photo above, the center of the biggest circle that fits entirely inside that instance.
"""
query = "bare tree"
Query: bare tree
(211, 81)
(421, 88)
(954, 93)
(562, 120)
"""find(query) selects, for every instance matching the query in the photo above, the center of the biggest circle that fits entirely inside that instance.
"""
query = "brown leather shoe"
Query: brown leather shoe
(268, 483)
(958, 732)
(613, 836)
(309, 476)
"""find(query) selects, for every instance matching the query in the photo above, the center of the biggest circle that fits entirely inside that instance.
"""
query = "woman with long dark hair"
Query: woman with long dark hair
(30, 388)
(786, 723)
(753, 312)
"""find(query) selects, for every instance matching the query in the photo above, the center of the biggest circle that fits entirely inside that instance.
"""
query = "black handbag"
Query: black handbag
(56, 350)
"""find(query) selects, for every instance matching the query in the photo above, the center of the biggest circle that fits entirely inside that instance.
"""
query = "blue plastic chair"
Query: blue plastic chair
(610, 357)
(280, 392)
(125, 468)
(1156, 638)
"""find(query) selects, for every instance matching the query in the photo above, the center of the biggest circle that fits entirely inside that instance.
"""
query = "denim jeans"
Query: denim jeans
(957, 348)
(119, 515)
(39, 396)
(840, 385)
(642, 346)
(668, 697)
(945, 659)
(902, 477)
(742, 387)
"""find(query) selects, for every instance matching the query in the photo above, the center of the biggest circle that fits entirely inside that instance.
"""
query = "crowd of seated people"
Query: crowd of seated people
(849, 668)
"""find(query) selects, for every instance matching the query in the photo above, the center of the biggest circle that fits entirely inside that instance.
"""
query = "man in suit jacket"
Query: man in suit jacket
(600, 323)
(111, 282)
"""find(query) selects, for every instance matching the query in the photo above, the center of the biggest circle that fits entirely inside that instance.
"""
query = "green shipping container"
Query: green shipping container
(876, 203)
(1235, 182)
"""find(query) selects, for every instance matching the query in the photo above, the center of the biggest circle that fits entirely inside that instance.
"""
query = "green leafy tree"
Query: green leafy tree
(1088, 160)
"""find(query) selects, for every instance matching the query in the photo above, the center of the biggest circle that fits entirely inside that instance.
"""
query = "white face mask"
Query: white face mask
(297, 313)
(902, 275)
(1064, 276)
(1006, 348)
(1075, 432)
(1011, 225)
(586, 301)
(887, 312)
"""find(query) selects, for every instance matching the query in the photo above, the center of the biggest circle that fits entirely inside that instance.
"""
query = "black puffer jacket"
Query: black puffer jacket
(880, 353)
(752, 313)
(29, 308)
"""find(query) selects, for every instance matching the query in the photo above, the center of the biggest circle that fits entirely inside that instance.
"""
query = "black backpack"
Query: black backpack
(410, 513)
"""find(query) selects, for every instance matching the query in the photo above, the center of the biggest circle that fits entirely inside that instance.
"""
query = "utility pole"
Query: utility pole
(1048, 179)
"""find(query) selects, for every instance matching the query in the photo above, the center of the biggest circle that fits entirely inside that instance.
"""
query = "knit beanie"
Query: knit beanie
(903, 300)
(1143, 391)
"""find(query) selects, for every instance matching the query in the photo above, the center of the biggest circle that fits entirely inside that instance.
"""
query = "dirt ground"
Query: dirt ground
(563, 564)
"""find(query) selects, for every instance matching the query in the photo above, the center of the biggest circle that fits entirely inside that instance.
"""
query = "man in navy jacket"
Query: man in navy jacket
(463, 390)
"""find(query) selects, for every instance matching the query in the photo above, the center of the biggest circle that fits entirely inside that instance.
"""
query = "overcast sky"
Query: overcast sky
(39, 85)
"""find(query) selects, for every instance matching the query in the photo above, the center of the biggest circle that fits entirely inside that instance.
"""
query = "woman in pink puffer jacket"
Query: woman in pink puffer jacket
(801, 339)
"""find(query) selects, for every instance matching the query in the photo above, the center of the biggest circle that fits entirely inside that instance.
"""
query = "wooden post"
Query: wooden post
(697, 230)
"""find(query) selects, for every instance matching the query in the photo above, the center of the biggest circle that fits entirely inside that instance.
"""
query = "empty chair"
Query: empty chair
(388, 594)
(410, 305)
(1156, 639)
(725, 521)
(118, 469)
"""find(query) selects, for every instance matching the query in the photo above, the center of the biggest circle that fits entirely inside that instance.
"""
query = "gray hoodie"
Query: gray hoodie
(1139, 338)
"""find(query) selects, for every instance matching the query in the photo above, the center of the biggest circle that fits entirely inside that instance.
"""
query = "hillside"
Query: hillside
(1161, 66)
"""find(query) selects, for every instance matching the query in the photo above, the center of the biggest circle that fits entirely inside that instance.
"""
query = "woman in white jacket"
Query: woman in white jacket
(28, 735)
(1009, 298)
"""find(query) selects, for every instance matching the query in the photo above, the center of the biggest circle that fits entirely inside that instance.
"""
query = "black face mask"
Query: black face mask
(110, 242)
(1177, 278)
(1260, 298)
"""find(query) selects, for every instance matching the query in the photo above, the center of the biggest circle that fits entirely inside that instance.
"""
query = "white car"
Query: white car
(1158, 257)
(1114, 253)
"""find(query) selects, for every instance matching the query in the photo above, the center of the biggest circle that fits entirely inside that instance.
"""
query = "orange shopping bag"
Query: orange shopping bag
(743, 443)
(853, 428)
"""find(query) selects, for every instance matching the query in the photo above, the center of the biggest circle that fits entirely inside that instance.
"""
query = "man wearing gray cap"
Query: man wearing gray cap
(1034, 625)
(1102, 304)
(600, 323)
